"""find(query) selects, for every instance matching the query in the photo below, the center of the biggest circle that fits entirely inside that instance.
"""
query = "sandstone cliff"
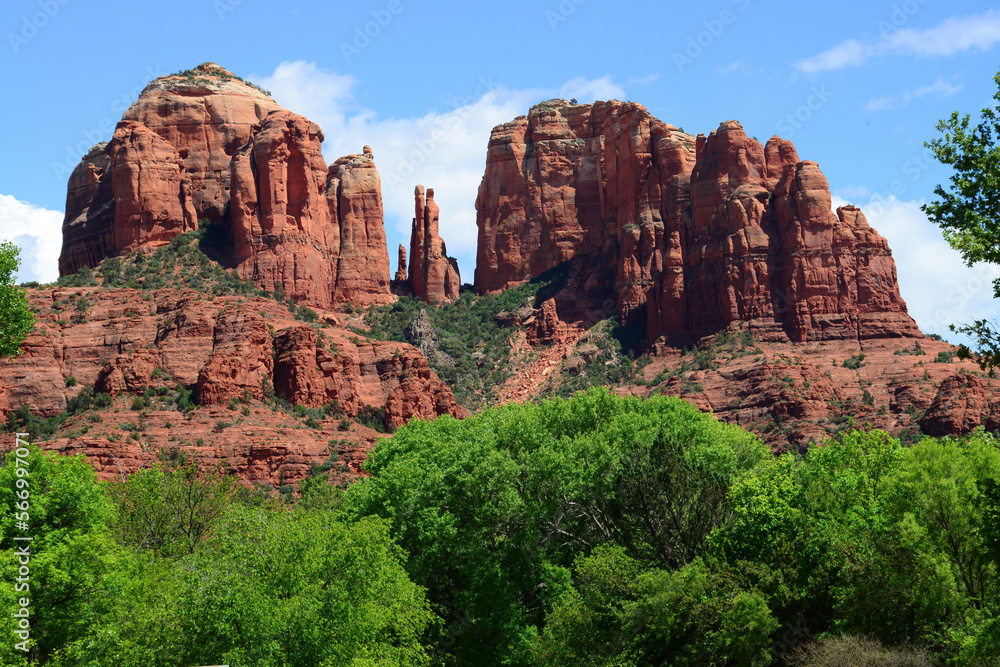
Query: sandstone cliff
(203, 145)
(434, 276)
(686, 234)
(224, 349)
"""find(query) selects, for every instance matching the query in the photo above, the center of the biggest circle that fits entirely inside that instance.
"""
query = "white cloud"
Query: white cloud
(444, 150)
(954, 35)
(939, 289)
(644, 80)
(590, 90)
(939, 88)
(37, 232)
(846, 54)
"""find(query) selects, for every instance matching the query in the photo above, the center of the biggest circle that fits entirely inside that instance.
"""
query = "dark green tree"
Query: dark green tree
(969, 211)
(16, 318)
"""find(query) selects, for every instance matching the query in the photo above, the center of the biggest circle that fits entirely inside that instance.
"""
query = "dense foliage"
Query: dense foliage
(598, 530)
(16, 319)
(605, 530)
(496, 512)
(173, 567)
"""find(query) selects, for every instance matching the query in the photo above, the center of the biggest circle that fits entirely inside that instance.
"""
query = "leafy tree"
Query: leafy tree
(16, 318)
(278, 587)
(73, 556)
(969, 212)
(620, 614)
(495, 509)
(170, 507)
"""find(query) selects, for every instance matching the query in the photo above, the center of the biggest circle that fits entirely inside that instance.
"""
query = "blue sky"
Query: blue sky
(858, 87)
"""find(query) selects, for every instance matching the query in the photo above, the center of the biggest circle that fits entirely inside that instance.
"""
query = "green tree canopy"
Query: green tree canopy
(969, 211)
(494, 510)
(16, 318)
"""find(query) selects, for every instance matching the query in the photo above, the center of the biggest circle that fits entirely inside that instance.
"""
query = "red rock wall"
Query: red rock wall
(88, 227)
(207, 146)
(687, 234)
(354, 199)
(221, 347)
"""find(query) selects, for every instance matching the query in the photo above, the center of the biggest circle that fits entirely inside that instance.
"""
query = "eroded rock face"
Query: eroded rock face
(354, 199)
(206, 146)
(151, 188)
(686, 234)
(222, 348)
(88, 227)
(401, 264)
(962, 404)
(434, 276)
(206, 115)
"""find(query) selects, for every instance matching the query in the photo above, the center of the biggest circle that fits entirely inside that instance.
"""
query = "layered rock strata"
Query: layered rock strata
(205, 146)
(221, 348)
(686, 234)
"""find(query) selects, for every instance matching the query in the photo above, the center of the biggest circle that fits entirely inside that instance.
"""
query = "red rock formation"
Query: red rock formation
(962, 404)
(221, 347)
(206, 115)
(354, 196)
(88, 227)
(545, 327)
(434, 276)
(686, 234)
(401, 264)
(152, 192)
(260, 447)
(242, 359)
(205, 145)
(280, 217)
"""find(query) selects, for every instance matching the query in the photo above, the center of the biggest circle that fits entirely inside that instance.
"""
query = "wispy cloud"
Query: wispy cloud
(939, 88)
(644, 80)
(954, 35)
(741, 67)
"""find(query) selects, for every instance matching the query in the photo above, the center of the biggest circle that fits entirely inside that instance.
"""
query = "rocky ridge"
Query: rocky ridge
(203, 146)
(687, 235)
(227, 351)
